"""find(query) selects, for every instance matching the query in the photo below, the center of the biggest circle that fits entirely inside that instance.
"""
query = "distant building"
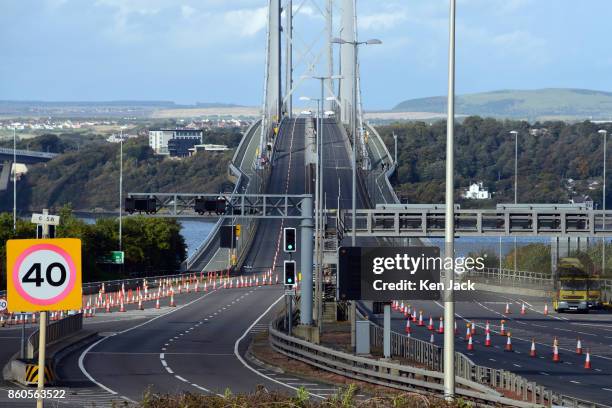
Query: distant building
(207, 148)
(476, 191)
(582, 199)
(174, 142)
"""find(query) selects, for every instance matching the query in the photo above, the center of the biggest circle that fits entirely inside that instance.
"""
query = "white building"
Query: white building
(185, 138)
(476, 191)
(207, 148)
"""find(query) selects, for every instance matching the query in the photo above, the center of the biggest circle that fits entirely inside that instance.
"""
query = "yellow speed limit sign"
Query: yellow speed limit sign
(43, 274)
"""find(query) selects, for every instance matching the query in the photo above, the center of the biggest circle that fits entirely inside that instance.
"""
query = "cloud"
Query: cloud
(381, 21)
(247, 22)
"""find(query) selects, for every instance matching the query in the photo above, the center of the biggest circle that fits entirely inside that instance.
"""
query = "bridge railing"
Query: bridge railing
(382, 168)
(510, 275)
(209, 247)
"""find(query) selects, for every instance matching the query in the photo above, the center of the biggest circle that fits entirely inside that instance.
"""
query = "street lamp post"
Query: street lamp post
(604, 133)
(121, 190)
(14, 181)
(356, 44)
(515, 133)
(317, 197)
(449, 231)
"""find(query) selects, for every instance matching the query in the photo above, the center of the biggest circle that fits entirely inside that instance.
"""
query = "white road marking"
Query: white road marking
(178, 377)
(575, 382)
(81, 360)
(543, 373)
(244, 363)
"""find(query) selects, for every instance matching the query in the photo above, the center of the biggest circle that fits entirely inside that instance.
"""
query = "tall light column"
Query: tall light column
(515, 133)
(121, 191)
(604, 133)
(14, 180)
(289, 56)
(449, 231)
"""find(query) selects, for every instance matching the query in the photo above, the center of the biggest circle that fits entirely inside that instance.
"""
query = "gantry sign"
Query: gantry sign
(428, 222)
(224, 205)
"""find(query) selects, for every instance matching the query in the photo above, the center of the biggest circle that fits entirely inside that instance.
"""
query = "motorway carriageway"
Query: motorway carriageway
(567, 376)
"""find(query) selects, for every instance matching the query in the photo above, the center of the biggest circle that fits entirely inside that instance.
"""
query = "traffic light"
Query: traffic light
(289, 240)
(289, 275)
(227, 236)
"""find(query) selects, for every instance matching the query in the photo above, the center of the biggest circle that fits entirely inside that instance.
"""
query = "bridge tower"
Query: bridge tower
(347, 61)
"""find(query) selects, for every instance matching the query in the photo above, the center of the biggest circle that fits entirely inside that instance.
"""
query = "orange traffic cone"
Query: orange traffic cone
(140, 304)
(502, 328)
(523, 309)
(487, 327)
(470, 345)
(430, 326)
(122, 306)
(556, 357)
(545, 309)
(487, 340)
(441, 326)
(587, 360)
(578, 347)
(421, 323)
(108, 310)
(468, 332)
(157, 303)
(407, 329)
(508, 342)
(507, 308)
(532, 352)
(473, 329)
(172, 304)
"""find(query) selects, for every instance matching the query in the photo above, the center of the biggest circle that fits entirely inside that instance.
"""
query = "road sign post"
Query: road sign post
(42, 275)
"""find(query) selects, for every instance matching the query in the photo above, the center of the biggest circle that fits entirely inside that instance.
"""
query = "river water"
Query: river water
(195, 232)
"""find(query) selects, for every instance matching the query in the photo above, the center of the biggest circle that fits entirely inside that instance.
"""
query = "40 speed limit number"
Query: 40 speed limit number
(44, 274)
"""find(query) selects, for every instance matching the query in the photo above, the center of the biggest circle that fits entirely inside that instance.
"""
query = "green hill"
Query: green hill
(550, 103)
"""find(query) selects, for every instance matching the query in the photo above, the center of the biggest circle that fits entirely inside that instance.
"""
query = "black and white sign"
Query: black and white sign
(3, 304)
(384, 274)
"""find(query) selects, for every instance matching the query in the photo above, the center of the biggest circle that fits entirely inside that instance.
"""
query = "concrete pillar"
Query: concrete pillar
(306, 262)
(347, 60)
(387, 331)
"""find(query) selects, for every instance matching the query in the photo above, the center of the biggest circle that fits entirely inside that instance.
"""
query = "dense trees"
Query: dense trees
(88, 179)
(485, 152)
(153, 246)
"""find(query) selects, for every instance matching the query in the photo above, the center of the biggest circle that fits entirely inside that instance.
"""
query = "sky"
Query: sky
(191, 51)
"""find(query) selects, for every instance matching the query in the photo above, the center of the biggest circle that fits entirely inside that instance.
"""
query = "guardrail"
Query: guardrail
(381, 372)
(481, 385)
(430, 356)
(55, 331)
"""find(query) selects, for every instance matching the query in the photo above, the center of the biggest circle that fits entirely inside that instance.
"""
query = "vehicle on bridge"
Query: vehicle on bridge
(578, 289)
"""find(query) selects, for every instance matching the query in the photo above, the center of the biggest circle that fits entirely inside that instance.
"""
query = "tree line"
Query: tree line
(152, 246)
(549, 154)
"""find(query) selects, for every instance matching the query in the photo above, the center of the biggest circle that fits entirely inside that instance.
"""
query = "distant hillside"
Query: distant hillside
(95, 109)
(551, 103)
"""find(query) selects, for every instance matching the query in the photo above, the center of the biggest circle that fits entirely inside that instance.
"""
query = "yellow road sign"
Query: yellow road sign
(43, 274)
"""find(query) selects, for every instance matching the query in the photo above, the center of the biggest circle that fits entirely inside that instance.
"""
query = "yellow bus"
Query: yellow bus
(577, 288)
